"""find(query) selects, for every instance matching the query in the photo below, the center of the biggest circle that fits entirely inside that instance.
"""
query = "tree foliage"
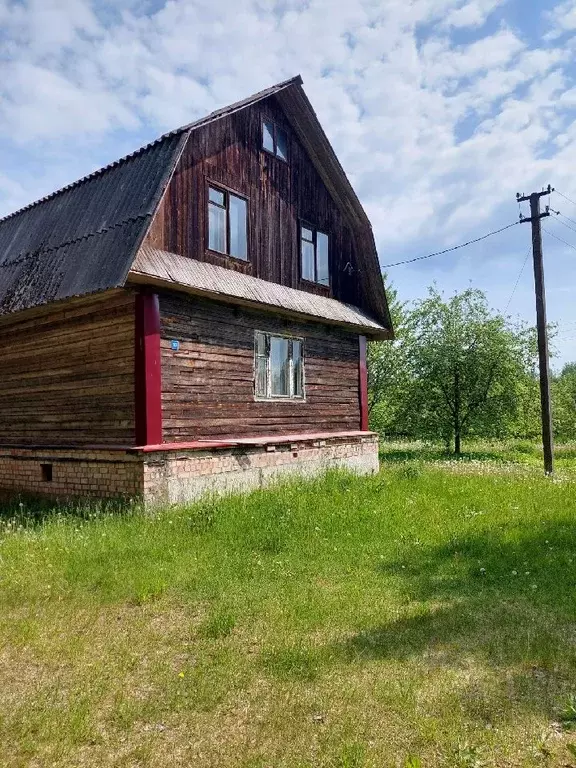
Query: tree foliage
(456, 369)
(564, 403)
(388, 368)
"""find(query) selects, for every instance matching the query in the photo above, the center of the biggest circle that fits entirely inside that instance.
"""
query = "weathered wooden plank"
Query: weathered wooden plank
(68, 374)
(280, 195)
(208, 384)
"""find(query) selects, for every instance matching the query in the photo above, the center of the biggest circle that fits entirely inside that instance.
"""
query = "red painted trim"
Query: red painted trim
(363, 383)
(260, 440)
(148, 370)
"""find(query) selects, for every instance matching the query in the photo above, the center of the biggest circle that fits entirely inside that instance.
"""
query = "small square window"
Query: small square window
(46, 472)
(278, 367)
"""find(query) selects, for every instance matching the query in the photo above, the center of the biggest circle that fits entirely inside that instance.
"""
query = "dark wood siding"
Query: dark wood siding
(67, 375)
(208, 384)
(228, 152)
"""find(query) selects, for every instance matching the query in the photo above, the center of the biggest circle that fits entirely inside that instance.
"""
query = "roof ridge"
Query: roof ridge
(215, 114)
(41, 251)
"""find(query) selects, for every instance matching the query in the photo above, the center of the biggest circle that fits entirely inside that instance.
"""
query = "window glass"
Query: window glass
(322, 270)
(238, 239)
(261, 377)
(216, 196)
(297, 368)
(314, 253)
(261, 344)
(216, 228)
(268, 136)
(281, 144)
(279, 367)
(307, 260)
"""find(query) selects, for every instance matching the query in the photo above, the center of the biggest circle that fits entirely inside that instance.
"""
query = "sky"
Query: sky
(439, 110)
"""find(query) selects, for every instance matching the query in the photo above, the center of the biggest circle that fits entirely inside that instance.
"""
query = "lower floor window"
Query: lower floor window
(279, 366)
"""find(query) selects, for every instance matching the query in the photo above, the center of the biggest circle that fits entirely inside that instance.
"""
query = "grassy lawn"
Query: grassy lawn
(422, 617)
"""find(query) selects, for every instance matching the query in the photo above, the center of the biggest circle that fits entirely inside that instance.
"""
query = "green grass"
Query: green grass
(422, 617)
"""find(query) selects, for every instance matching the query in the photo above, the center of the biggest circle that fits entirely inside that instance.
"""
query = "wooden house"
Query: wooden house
(193, 316)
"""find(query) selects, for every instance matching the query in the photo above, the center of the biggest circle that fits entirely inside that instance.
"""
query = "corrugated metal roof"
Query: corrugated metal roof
(171, 269)
(82, 239)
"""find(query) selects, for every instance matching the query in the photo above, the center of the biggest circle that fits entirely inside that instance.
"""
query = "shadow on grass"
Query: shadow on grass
(485, 588)
(505, 601)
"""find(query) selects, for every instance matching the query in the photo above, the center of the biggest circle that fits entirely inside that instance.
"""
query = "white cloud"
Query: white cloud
(562, 19)
(473, 13)
(406, 108)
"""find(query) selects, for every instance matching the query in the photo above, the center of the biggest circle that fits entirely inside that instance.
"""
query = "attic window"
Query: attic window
(314, 255)
(274, 140)
(227, 223)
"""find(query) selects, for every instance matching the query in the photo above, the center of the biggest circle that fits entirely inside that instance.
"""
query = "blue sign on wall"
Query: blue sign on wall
(175, 345)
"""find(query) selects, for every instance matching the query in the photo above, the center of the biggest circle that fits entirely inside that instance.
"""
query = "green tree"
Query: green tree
(467, 366)
(388, 368)
(564, 403)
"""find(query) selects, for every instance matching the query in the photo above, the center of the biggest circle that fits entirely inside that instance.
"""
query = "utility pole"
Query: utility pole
(543, 358)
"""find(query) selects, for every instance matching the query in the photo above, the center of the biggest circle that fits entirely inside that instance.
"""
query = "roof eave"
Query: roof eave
(136, 278)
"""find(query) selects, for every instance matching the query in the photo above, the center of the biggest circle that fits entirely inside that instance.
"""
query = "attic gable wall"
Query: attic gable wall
(227, 152)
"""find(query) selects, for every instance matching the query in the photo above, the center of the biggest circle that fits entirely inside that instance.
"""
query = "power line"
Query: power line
(565, 217)
(564, 196)
(562, 222)
(559, 238)
(517, 281)
(454, 247)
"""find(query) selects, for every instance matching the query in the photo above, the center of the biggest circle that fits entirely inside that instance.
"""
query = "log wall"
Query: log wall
(67, 374)
(208, 384)
(228, 153)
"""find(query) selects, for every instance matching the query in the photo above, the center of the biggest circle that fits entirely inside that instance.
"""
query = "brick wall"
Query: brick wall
(180, 475)
(62, 473)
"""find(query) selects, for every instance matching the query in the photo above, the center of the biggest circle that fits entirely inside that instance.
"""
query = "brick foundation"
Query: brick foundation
(183, 475)
(168, 475)
(73, 472)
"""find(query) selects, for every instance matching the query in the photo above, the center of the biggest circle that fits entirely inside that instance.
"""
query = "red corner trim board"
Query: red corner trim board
(148, 370)
(363, 384)
(148, 373)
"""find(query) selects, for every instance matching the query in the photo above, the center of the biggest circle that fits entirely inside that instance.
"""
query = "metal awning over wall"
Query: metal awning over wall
(153, 266)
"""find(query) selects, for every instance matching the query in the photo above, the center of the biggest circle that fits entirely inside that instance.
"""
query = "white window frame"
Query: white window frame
(290, 398)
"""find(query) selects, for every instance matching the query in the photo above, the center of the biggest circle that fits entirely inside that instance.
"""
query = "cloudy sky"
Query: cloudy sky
(440, 111)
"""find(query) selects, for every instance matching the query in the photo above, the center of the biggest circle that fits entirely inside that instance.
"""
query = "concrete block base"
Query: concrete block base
(180, 476)
(164, 475)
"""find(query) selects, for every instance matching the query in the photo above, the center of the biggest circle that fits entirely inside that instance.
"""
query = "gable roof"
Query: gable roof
(85, 237)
